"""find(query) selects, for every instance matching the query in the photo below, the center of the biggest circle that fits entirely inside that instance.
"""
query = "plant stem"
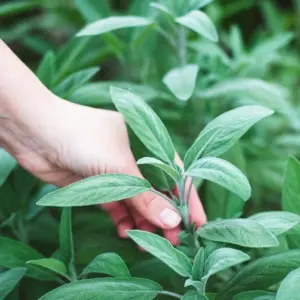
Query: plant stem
(171, 294)
(164, 196)
(72, 271)
(189, 192)
(182, 45)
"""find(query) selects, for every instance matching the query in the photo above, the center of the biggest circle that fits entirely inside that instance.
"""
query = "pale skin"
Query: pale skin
(61, 143)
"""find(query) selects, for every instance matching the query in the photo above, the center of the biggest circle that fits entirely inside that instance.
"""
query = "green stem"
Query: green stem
(182, 45)
(171, 294)
(73, 272)
(164, 196)
(189, 192)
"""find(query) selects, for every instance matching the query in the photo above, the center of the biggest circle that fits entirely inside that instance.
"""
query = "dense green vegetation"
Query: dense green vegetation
(191, 61)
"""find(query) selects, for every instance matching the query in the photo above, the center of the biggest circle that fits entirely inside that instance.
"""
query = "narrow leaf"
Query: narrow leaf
(242, 232)
(163, 250)
(223, 259)
(106, 289)
(255, 295)
(198, 265)
(7, 164)
(145, 123)
(182, 81)
(9, 280)
(199, 22)
(159, 164)
(289, 287)
(223, 173)
(261, 274)
(277, 222)
(46, 69)
(224, 131)
(107, 263)
(291, 187)
(97, 190)
(113, 23)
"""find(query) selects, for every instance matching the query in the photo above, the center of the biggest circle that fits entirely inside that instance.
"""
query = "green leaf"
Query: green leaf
(289, 287)
(223, 173)
(261, 274)
(199, 22)
(194, 295)
(161, 165)
(7, 164)
(107, 263)
(255, 295)
(74, 81)
(93, 10)
(46, 69)
(145, 123)
(182, 81)
(198, 265)
(223, 259)
(242, 232)
(66, 235)
(8, 9)
(200, 3)
(50, 264)
(291, 187)
(106, 289)
(277, 222)
(224, 131)
(113, 23)
(97, 190)
(163, 250)
(162, 8)
(9, 280)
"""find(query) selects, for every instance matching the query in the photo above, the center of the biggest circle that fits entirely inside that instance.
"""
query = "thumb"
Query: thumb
(155, 208)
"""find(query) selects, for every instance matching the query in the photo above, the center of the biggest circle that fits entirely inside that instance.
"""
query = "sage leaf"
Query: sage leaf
(182, 81)
(223, 173)
(291, 187)
(7, 164)
(107, 263)
(224, 131)
(242, 232)
(163, 250)
(46, 69)
(277, 222)
(261, 274)
(97, 190)
(106, 289)
(9, 280)
(255, 295)
(195, 283)
(162, 8)
(199, 22)
(113, 23)
(289, 287)
(194, 295)
(50, 264)
(199, 3)
(223, 259)
(145, 123)
(161, 165)
(198, 265)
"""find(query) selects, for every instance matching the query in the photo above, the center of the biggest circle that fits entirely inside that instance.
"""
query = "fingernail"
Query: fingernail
(170, 218)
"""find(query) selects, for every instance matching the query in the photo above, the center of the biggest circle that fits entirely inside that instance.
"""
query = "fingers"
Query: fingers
(173, 235)
(120, 216)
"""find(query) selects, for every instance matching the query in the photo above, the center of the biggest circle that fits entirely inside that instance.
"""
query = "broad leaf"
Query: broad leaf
(163, 250)
(182, 81)
(113, 23)
(289, 287)
(199, 22)
(223, 173)
(74, 81)
(261, 274)
(50, 264)
(9, 280)
(195, 283)
(66, 235)
(7, 164)
(107, 263)
(291, 187)
(106, 289)
(97, 190)
(198, 265)
(277, 222)
(223, 259)
(194, 295)
(145, 123)
(255, 295)
(159, 164)
(242, 232)
(224, 131)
